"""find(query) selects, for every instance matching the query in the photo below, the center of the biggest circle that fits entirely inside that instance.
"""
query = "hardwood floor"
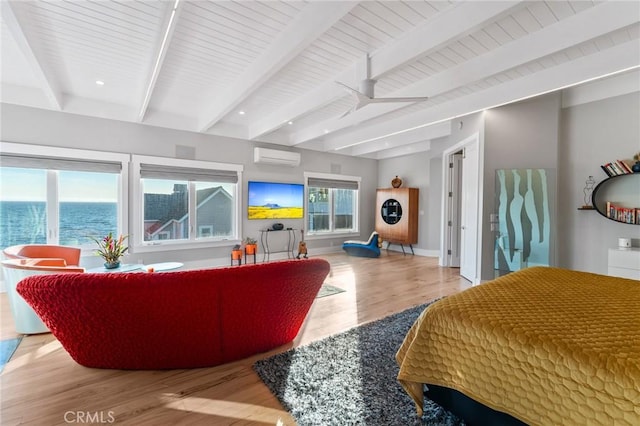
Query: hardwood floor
(42, 385)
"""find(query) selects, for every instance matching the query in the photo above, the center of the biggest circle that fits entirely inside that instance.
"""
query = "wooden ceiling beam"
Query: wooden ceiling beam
(618, 59)
(437, 130)
(313, 21)
(41, 71)
(459, 20)
(596, 21)
(163, 43)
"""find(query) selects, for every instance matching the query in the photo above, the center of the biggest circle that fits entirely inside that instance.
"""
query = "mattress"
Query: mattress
(545, 345)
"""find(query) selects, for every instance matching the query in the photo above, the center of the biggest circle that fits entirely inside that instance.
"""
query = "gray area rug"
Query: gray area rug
(328, 290)
(350, 378)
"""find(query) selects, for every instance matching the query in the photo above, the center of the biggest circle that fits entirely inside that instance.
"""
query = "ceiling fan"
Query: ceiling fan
(365, 96)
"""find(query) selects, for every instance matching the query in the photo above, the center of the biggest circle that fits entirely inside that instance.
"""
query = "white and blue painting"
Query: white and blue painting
(524, 219)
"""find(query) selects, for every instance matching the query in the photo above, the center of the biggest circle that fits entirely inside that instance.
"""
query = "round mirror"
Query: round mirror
(391, 211)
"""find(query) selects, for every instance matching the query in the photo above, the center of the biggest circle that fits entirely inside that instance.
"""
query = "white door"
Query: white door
(455, 176)
(469, 216)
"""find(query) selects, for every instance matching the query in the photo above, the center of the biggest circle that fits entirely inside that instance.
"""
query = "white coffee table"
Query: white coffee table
(163, 266)
(125, 267)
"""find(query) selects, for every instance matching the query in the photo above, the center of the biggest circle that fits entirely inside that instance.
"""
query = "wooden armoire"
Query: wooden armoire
(397, 215)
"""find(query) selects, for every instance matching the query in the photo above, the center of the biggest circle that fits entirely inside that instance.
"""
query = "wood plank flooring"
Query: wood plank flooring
(42, 385)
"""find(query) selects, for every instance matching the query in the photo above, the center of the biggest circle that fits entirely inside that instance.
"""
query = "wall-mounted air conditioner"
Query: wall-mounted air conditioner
(273, 156)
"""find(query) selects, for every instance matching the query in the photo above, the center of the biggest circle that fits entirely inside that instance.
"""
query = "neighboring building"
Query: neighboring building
(166, 217)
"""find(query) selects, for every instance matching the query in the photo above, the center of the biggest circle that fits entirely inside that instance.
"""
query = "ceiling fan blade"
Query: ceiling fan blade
(363, 100)
(350, 89)
(360, 97)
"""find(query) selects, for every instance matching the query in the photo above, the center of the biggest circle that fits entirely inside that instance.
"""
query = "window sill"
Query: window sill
(179, 245)
(329, 235)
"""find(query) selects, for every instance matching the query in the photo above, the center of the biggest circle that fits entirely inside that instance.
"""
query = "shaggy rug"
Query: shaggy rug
(328, 290)
(350, 378)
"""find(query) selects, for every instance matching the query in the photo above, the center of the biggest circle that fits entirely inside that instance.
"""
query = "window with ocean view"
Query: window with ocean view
(58, 199)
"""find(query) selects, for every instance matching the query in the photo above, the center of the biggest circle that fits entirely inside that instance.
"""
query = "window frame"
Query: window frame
(138, 245)
(52, 182)
(332, 232)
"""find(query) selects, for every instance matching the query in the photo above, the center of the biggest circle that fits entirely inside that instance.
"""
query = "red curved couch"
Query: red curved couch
(182, 319)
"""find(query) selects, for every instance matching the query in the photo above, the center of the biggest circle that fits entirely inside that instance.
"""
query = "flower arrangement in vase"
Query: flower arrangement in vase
(111, 249)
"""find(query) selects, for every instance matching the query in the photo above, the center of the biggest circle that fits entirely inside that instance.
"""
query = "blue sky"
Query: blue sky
(31, 185)
(18, 184)
(285, 195)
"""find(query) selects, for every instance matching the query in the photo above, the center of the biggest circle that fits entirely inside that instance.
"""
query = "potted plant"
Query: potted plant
(236, 252)
(250, 245)
(111, 249)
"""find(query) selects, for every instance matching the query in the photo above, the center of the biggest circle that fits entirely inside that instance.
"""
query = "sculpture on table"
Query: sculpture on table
(588, 189)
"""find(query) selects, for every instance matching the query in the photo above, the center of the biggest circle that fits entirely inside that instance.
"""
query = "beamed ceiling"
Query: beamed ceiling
(267, 70)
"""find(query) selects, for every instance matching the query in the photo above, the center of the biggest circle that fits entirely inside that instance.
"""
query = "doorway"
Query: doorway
(461, 206)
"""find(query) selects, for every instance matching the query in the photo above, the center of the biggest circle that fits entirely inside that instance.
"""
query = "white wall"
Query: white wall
(424, 171)
(522, 135)
(538, 133)
(592, 134)
(533, 133)
(43, 127)
(413, 170)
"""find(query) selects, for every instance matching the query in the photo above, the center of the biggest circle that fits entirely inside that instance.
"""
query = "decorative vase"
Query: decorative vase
(112, 265)
(636, 167)
(396, 182)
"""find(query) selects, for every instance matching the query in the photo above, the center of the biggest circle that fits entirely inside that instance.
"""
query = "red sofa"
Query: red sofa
(182, 319)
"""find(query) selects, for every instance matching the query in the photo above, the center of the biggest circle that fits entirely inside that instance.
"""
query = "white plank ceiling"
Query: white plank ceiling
(267, 70)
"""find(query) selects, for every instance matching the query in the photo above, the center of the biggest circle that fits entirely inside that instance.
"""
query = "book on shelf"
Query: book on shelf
(616, 168)
(612, 170)
(604, 168)
(623, 164)
(623, 214)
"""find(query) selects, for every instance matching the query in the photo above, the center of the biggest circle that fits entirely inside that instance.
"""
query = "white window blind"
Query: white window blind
(159, 171)
(332, 183)
(59, 163)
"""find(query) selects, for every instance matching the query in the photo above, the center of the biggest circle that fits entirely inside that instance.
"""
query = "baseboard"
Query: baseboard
(416, 251)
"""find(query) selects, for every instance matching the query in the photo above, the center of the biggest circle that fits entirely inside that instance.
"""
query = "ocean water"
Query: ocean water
(24, 222)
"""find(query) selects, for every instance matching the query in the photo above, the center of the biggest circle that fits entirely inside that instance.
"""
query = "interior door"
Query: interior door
(455, 192)
(469, 213)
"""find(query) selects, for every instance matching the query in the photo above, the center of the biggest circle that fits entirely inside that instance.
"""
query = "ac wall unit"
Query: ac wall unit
(273, 156)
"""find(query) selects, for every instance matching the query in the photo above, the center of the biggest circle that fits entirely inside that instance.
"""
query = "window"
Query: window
(59, 196)
(184, 202)
(332, 203)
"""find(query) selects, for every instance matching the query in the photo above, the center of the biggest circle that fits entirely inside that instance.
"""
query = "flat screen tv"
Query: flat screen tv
(274, 200)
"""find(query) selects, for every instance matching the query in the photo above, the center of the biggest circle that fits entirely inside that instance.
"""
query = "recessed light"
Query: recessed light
(326, 131)
(290, 123)
(241, 112)
(100, 82)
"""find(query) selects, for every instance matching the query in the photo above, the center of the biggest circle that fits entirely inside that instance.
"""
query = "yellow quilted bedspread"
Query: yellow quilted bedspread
(548, 346)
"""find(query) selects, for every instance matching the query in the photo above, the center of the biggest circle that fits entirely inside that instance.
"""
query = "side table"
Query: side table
(264, 241)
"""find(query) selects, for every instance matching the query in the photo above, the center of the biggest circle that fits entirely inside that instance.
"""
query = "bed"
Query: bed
(544, 345)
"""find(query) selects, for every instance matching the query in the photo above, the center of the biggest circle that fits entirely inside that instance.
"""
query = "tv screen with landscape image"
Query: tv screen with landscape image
(273, 200)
